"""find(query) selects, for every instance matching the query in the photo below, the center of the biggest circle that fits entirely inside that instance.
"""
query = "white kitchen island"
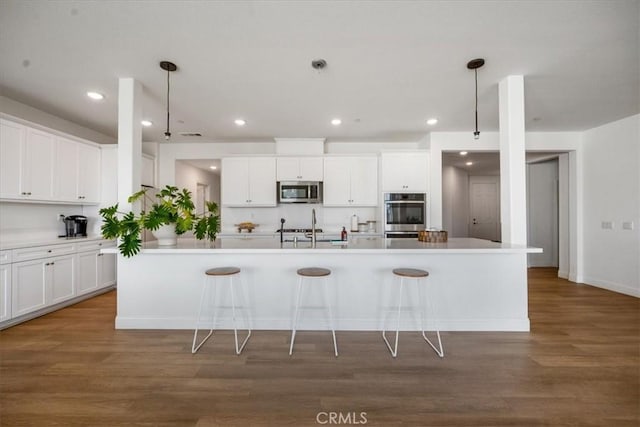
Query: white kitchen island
(476, 285)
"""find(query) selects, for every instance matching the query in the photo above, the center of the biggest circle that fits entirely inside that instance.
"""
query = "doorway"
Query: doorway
(543, 212)
(484, 207)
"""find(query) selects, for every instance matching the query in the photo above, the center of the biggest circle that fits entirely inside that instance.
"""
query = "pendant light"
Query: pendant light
(168, 67)
(474, 64)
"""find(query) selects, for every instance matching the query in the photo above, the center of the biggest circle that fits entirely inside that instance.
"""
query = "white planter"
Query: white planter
(166, 235)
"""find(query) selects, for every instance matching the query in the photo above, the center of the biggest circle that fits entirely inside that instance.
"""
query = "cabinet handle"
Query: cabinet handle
(52, 263)
(29, 193)
(49, 251)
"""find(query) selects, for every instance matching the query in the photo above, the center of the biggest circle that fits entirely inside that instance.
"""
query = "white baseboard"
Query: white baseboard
(612, 286)
(563, 274)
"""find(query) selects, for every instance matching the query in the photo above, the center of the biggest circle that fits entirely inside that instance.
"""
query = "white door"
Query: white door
(484, 208)
(37, 173)
(542, 212)
(28, 282)
(12, 140)
(5, 292)
(88, 265)
(62, 278)
(202, 190)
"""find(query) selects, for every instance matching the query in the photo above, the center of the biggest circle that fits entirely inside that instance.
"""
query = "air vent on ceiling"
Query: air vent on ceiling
(190, 134)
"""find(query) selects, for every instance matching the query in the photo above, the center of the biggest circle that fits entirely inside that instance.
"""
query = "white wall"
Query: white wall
(33, 220)
(455, 201)
(542, 212)
(611, 158)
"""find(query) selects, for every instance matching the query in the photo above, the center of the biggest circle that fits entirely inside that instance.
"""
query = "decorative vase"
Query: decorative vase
(166, 235)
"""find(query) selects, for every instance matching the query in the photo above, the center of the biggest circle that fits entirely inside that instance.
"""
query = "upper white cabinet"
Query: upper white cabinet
(405, 172)
(299, 168)
(26, 157)
(248, 181)
(40, 166)
(350, 181)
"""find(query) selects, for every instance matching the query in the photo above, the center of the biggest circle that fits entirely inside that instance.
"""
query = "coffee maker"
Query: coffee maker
(75, 226)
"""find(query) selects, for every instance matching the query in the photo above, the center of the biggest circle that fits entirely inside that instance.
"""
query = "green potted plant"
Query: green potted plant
(173, 214)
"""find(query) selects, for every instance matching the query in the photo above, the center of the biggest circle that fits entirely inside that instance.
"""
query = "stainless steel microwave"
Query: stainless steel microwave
(299, 192)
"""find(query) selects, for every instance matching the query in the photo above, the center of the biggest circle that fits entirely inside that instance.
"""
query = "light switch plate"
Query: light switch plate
(607, 225)
(627, 225)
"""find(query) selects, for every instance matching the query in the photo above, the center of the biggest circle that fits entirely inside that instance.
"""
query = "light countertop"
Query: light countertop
(31, 241)
(355, 245)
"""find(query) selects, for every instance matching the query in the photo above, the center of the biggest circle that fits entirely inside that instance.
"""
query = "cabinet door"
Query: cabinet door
(5, 292)
(107, 273)
(288, 169)
(28, 291)
(262, 181)
(88, 267)
(88, 173)
(12, 140)
(337, 181)
(235, 181)
(404, 172)
(62, 278)
(37, 171)
(66, 170)
(311, 168)
(364, 181)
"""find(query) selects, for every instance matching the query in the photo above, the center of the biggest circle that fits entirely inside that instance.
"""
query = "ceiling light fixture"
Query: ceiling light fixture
(474, 64)
(168, 67)
(432, 122)
(95, 96)
(213, 167)
(146, 123)
(469, 163)
(463, 153)
(240, 122)
(336, 122)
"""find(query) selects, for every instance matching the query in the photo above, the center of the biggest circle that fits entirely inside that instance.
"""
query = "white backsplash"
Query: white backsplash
(35, 220)
(331, 220)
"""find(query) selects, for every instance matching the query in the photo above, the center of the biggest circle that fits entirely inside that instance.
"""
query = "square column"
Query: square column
(513, 184)
(129, 140)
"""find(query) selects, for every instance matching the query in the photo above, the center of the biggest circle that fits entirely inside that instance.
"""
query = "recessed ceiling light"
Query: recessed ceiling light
(95, 95)
(240, 122)
(463, 153)
(146, 123)
(432, 122)
(213, 167)
(336, 122)
(469, 163)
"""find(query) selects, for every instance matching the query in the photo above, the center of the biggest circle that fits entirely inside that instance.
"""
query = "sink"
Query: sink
(306, 240)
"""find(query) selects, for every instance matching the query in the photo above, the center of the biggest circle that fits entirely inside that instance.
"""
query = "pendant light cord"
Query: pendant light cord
(167, 134)
(476, 72)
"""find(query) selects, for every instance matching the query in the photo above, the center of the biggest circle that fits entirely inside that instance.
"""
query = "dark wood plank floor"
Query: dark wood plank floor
(579, 366)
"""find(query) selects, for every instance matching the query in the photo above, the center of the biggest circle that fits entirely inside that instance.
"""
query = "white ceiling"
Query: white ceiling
(391, 64)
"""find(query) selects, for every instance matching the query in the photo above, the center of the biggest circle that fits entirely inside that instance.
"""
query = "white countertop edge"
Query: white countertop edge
(28, 243)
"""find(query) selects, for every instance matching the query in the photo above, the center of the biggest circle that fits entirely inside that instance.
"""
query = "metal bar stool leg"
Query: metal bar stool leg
(235, 326)
(440, 350)
(394, 351)
(333, 329)
(195, 348)
(295, 316)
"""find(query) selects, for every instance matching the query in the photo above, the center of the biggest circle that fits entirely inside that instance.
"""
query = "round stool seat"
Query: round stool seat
(410, 272)
(314, 272)
(222, 271)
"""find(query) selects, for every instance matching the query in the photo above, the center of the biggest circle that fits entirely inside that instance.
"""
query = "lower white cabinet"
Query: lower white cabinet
(5, 292)
(95, 270)
(42, 282)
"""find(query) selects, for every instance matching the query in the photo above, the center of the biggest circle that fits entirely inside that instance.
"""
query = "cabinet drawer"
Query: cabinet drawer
(26, 254)
(5, 257)
(96, 245)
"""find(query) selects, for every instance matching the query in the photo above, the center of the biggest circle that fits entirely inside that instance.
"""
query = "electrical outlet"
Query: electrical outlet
(627, 225)
(60, 217)
(607, 225)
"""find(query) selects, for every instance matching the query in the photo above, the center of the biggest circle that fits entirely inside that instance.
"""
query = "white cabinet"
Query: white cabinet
(40, 166)
(299, 169)
(5, 285)
(405, 172)
(26, 162)
(351, 181)
(77, 172)
(42, 282)
(12, 141)
(248, 181)
(95, 270)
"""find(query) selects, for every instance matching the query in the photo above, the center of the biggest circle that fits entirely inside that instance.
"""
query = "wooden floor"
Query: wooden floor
(579, 366)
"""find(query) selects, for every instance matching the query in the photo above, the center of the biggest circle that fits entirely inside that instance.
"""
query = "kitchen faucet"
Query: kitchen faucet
(313, 228)
(282, 221)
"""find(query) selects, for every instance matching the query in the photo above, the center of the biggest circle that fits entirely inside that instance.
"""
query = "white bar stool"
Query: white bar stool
(211, 277)
(312, 274)
(418, 276)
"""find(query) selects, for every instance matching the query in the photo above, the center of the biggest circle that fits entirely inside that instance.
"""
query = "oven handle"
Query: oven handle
(404, 202)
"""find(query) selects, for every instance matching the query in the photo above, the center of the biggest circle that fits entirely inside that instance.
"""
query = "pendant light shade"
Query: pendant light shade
(168, 67)
(474, 64)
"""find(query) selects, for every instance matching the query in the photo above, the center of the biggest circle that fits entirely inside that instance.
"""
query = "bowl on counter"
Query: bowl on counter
(248, 226)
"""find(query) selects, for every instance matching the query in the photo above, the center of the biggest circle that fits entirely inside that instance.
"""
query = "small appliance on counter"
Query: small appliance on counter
(75, 226)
